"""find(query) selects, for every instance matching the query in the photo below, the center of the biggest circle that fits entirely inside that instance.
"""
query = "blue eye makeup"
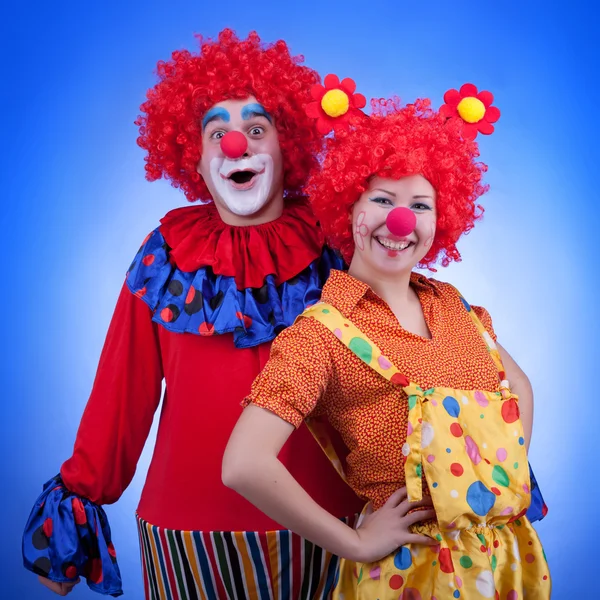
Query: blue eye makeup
(255, 110)
(216, 114)
(420, 206)
(381, 200)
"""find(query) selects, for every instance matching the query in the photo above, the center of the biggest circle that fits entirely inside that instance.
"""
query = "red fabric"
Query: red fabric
(325, 122)
(118, 416)
(206, 379)
(468, 89)
(198, 238)
(492, 114)
(486, 97)
(452, 98)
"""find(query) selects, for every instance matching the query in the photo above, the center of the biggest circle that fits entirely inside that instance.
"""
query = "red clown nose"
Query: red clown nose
(234, 144)
(401, 221)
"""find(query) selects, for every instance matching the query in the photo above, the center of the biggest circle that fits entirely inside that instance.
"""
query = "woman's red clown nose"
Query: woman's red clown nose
(401, 221)
(234, 144)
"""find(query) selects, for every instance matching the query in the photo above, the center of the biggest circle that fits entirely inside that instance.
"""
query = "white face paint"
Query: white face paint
(245, 196)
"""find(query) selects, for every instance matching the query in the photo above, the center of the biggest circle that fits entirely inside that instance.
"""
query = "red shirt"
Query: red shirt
(206, 378)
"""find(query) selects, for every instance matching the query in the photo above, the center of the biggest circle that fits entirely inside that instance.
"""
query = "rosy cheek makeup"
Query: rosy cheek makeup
(361, 231)
(429, 240)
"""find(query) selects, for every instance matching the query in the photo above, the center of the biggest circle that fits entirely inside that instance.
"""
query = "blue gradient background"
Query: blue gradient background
(76, 206)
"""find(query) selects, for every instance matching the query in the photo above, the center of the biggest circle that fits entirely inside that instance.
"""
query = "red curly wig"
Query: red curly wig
(395, 142)
(227, 68)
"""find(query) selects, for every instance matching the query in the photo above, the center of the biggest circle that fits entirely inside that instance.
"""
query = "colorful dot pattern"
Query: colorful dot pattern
(470, 463)
(202, 302)
(471, 509)
(364, 407)
(67, 537)
(435, 416)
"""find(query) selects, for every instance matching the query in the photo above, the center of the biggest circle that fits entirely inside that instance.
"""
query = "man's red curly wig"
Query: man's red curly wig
(395, 142)
(226, 68)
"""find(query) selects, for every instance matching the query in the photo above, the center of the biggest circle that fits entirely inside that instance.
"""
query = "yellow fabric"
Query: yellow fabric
(469, 446)
(335, 103)
(471, 109)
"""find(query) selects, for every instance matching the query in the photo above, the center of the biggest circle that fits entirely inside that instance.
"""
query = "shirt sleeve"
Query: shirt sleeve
(486, 320)
(296, 375)
(118, 415)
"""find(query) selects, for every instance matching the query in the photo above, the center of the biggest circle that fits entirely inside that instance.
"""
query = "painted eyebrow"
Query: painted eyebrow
(417, 197)
(215, 114)
(384, 191)
(255, 110)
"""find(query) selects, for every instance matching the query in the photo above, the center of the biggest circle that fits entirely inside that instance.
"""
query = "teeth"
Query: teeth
(393, 245)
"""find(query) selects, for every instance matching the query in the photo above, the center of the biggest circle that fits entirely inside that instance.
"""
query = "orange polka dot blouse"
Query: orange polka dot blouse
(310, 372)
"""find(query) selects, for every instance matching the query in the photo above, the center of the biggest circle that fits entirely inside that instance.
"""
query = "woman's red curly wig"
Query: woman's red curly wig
(226, 68)
(395, 142)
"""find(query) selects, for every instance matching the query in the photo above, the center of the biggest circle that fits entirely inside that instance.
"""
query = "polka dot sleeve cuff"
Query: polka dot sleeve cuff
(67, 536)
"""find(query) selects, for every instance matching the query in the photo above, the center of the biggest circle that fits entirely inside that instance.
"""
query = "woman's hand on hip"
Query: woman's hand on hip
(383, 531)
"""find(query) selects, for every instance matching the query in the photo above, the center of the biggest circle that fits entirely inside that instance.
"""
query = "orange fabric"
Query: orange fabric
(310, 372)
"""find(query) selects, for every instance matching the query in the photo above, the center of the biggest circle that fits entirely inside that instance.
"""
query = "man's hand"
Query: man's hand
(62, 589)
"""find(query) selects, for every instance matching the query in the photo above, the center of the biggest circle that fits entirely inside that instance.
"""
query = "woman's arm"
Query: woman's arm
(288, 389)
(251, 467)
(521, 386)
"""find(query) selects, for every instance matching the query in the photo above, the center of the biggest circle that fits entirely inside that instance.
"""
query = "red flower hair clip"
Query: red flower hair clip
(473, 108)
(335, 103)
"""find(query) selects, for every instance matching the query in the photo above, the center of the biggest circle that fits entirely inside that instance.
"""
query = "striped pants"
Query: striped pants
(222, 565)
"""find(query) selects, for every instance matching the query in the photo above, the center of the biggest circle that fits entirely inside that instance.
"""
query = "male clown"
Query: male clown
(206, 294)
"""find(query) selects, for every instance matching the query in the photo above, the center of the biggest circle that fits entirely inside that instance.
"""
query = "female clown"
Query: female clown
(435, 414)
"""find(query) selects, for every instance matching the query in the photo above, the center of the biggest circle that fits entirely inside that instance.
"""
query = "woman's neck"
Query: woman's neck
(401, 298)
(394, 290)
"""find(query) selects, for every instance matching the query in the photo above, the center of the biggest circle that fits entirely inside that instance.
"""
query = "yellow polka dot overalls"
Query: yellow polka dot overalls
(469, 447)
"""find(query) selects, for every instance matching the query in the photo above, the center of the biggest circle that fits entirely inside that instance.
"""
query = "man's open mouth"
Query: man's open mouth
(242, 180)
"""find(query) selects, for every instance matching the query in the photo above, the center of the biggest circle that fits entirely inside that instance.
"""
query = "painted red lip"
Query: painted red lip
(246, 185)
(242, 179)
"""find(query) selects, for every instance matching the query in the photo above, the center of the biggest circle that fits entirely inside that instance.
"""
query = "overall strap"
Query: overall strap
(538, 509)
(370, 354)
(490, 344)
(359, 343)
(364, 348)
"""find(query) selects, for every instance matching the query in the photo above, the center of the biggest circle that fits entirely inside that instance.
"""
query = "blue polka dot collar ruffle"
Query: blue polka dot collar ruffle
(204, 303)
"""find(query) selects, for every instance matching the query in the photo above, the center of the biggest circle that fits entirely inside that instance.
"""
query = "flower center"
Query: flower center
(335, 103)
(471, 109)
